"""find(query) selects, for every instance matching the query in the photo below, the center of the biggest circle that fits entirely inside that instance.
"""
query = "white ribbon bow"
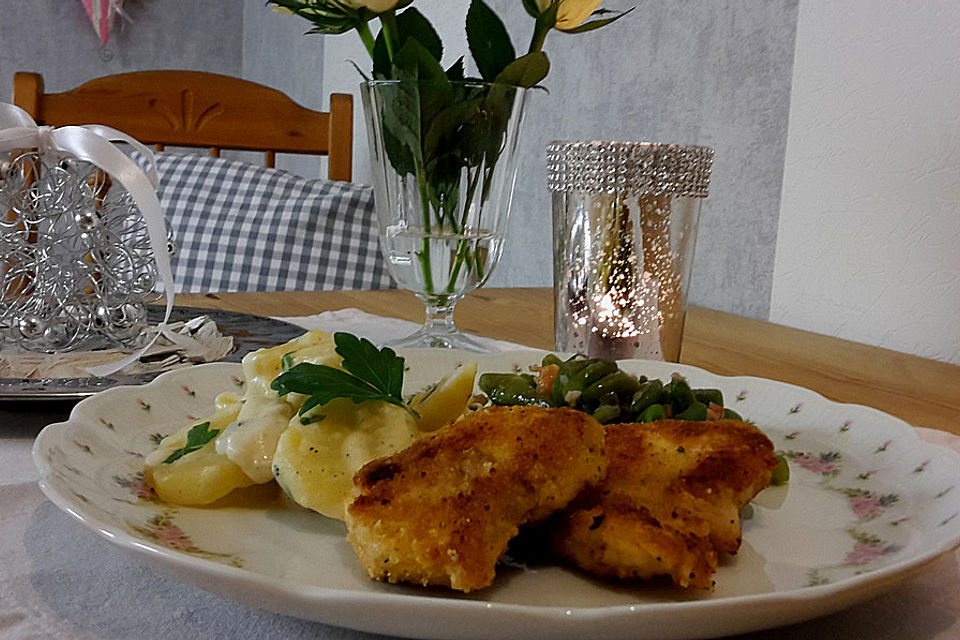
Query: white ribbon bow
(94, 143)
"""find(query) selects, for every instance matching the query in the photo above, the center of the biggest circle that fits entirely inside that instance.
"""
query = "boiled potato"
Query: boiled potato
(440, 404)
(314, 463)
(251, 439)
(202, 476)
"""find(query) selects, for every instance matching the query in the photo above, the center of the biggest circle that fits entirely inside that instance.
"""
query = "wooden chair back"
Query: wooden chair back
(198, 109)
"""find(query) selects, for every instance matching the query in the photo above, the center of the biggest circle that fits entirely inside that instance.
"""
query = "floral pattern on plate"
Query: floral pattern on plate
(865, 505)
(868, 503)
(137, 485)
(161, 529)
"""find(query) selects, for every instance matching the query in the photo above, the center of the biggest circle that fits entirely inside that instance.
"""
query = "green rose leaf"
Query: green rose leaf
(456, 71)
(488, 40)
(331, 17)
(483, 135)
(434, 92)
(381, 58)
(401, 125)
(399, 154)
(410, 25)
(407, 105)
(415, 62)
(444, 131)
(531, 8)
(413, 24)
(526, 71)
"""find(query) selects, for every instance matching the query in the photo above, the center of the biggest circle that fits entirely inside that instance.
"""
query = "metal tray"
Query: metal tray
(250, 332)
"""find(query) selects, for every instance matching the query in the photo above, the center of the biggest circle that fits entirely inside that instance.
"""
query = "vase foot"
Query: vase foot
(423, 338)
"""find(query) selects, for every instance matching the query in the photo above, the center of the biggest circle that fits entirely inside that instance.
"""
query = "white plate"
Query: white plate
(868, 505)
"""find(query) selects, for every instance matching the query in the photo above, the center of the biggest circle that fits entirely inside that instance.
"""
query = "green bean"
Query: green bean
(507, 389)
(678, 395)
(585, 377)
(730, 414)
(648, 394)
(608, 398)
(653, 412)
(696, 410)
(574, 364)
(706, 396)
(592, 373)
(551, 358)
(606, 413)
(781, 473)
(567, 370)
(619, 383)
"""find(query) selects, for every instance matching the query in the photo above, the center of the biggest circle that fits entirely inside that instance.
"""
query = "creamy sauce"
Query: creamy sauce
(251, 440)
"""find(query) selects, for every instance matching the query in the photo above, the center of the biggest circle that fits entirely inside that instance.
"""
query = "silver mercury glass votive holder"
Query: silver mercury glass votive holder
(625, 218)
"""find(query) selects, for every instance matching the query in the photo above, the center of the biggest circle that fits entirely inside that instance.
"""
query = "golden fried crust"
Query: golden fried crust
(621, 539)
(700, 473)
(676, 489)
(442, 511)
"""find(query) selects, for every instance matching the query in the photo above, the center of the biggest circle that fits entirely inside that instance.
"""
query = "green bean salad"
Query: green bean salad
(602, 389)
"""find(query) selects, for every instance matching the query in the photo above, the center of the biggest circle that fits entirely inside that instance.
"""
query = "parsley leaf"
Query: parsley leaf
(382, 368)
(368, 374)
(198, 436)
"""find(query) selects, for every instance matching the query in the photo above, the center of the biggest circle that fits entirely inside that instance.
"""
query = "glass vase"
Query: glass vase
(444, 164)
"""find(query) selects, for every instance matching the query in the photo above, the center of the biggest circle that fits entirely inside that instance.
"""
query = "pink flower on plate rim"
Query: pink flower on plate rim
(138, 487)
(824, 464)
(170, 535)
(866, 507)
(867, 552)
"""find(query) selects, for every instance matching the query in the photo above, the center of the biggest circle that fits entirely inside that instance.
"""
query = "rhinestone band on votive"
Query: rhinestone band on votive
(629, 167)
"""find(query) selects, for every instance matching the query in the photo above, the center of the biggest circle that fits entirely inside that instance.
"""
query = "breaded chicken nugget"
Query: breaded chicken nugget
(617, 538)
(670, 502)
(442, 511)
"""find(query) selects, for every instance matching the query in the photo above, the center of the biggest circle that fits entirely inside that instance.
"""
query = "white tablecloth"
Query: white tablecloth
(60, 580)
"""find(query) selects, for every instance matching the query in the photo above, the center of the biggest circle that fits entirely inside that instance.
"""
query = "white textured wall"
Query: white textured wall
(54, 38)
(868, 245)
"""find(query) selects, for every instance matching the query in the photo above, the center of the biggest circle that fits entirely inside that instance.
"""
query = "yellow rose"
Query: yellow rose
(570, 13)
(376, 6)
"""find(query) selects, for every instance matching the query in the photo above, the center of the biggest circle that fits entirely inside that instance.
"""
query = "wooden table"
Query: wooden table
(923, 392)
(55, 575)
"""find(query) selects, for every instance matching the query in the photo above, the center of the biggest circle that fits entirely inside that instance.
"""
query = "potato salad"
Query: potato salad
(314, 411)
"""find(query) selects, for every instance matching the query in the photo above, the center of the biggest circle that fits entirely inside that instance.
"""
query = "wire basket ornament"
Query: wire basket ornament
(76, 265)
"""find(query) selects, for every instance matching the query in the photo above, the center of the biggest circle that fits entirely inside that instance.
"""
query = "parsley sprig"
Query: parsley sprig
(198, 436)
(368, 374)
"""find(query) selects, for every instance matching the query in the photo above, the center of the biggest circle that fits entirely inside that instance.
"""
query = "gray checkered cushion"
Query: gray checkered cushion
(240, 227)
